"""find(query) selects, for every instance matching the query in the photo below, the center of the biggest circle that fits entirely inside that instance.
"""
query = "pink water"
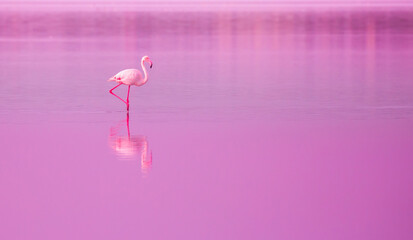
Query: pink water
(263, 125)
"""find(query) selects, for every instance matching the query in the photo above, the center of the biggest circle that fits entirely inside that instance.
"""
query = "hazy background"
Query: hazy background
(257, 122)
(195, 5)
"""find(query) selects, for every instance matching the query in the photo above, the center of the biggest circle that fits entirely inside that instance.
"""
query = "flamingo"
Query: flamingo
(131, 77)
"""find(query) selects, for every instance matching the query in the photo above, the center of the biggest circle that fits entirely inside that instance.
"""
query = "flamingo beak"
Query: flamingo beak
(151, 65)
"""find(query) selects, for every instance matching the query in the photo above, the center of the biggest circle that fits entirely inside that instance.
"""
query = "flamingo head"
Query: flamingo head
(146, 59)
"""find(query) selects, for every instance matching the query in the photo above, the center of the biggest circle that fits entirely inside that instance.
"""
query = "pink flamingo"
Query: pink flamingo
(131, 77)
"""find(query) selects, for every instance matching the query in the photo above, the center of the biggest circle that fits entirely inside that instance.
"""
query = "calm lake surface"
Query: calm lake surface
(253, 125)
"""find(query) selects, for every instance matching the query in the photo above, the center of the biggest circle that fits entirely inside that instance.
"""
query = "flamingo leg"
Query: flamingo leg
(114, 88)
(127, 99)
(111, 91)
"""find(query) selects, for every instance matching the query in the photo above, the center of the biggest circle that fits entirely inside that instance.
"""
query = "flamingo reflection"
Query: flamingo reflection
(127, 147)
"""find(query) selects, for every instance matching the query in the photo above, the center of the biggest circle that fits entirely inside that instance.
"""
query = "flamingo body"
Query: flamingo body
(131, 77)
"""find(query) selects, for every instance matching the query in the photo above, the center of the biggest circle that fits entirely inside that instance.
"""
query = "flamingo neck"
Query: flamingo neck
(145, 79)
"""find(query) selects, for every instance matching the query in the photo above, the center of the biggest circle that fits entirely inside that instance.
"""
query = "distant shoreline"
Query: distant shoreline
(192, 6)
